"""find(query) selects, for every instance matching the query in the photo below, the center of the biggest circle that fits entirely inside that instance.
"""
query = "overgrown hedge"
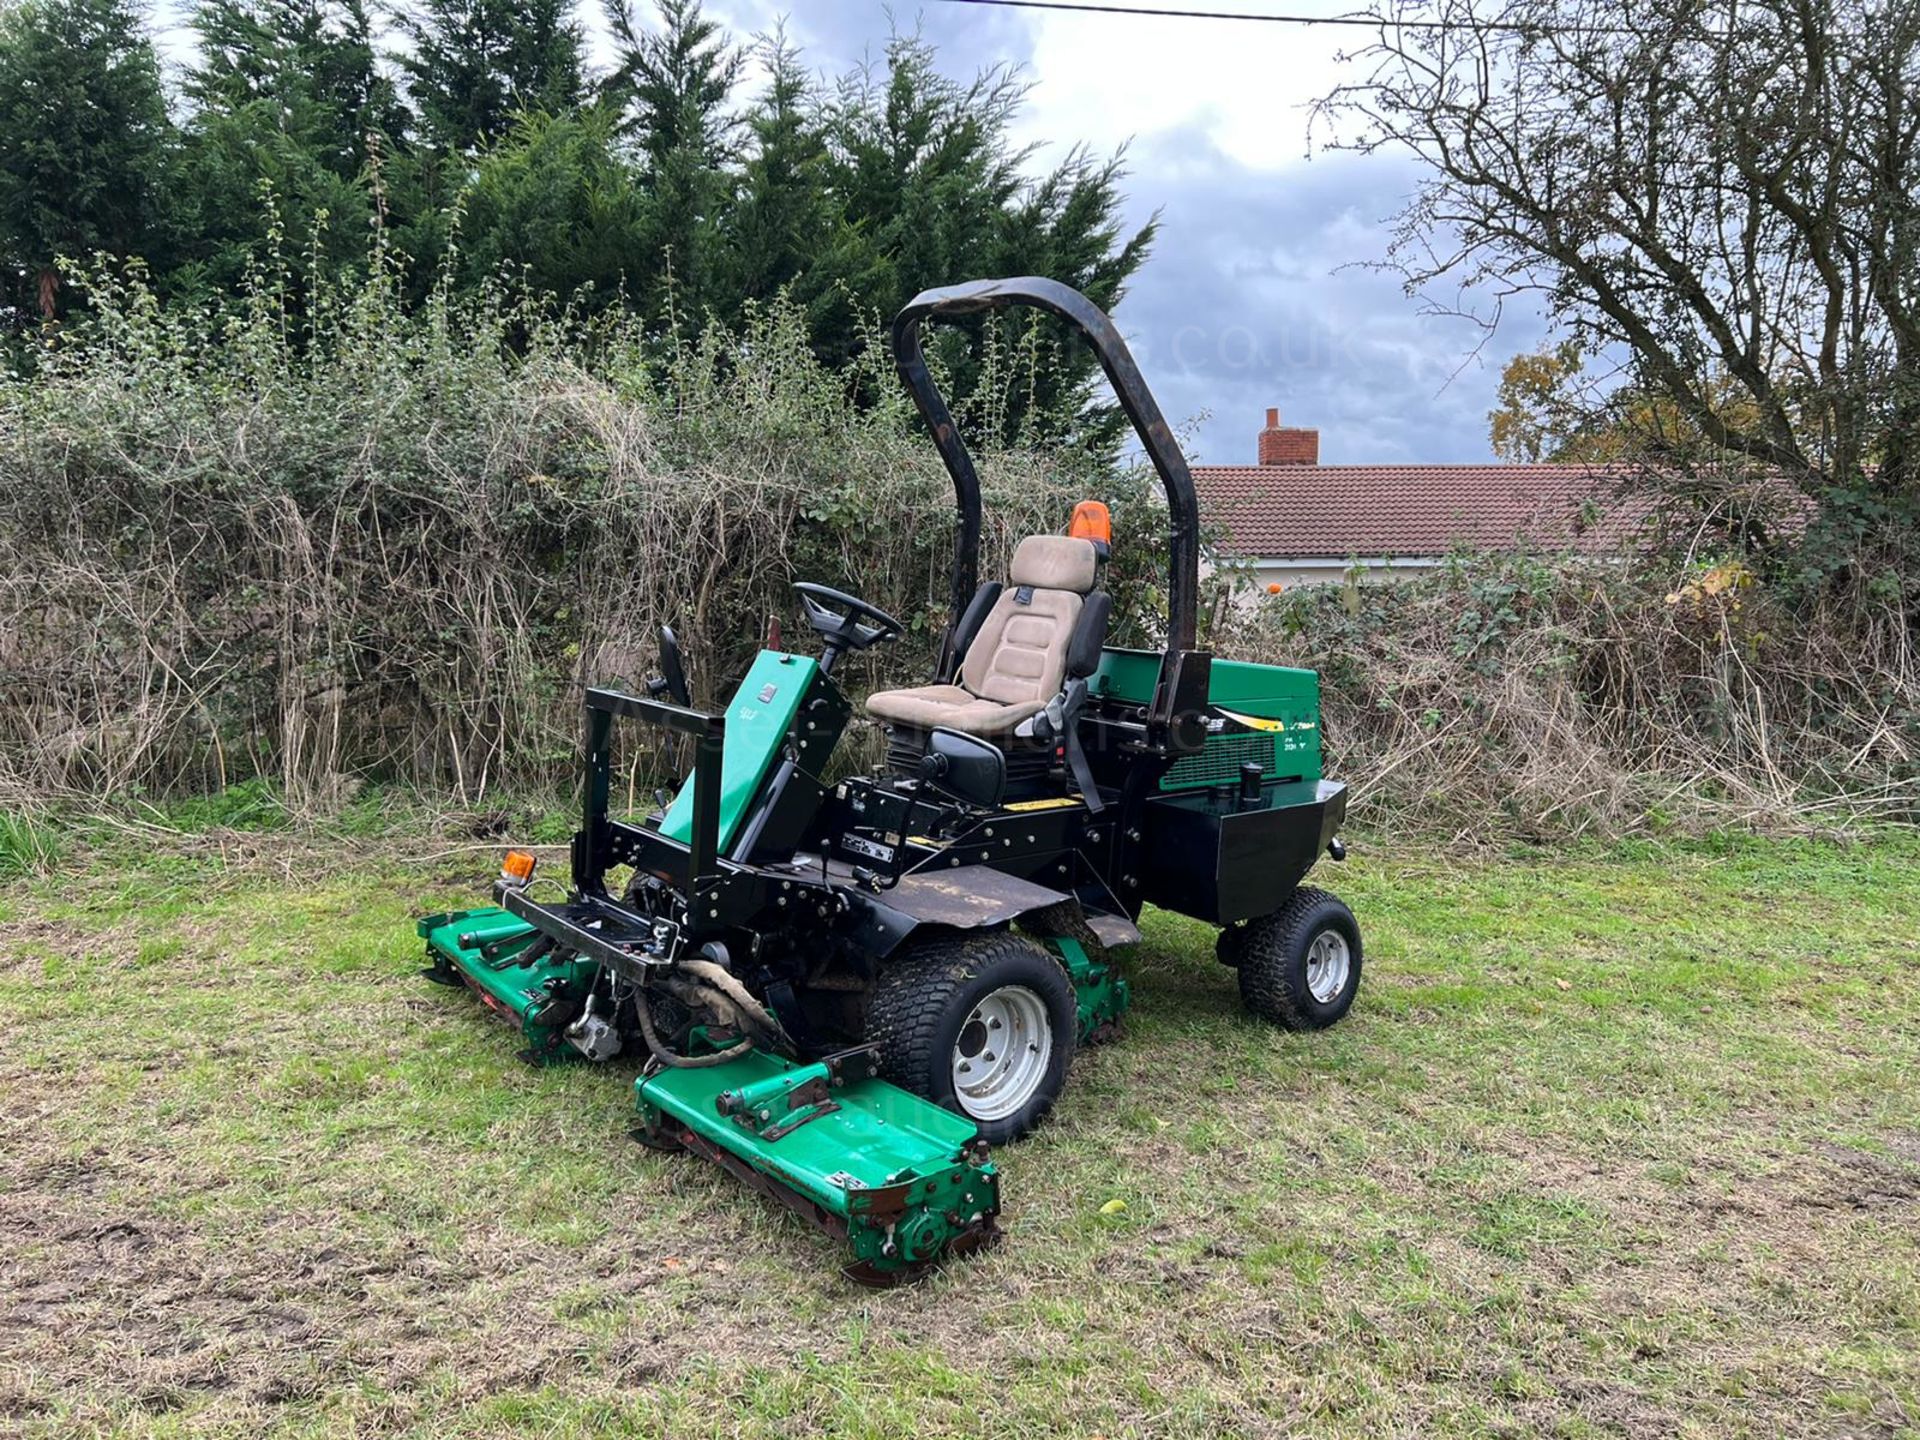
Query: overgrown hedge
(1541, 697)
(357, 541)
(368, 542)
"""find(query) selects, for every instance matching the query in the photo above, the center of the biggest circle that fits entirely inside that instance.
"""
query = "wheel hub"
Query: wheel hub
(1001, 1055)
(1328, 962)
(973, 1039)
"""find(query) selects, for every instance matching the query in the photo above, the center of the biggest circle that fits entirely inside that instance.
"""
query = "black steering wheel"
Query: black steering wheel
(846, 622)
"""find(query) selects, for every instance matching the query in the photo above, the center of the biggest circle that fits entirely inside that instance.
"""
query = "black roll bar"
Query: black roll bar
(1037, 292)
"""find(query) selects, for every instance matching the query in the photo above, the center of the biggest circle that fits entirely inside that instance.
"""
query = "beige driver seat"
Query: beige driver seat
(1018, 660)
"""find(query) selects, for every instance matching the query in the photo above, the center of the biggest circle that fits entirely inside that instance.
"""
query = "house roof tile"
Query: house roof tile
(1294, 512)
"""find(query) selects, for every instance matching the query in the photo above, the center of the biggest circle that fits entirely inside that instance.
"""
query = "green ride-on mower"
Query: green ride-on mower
(847, 994)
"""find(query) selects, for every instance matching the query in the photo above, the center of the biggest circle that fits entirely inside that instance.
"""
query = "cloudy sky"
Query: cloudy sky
(1257, 292)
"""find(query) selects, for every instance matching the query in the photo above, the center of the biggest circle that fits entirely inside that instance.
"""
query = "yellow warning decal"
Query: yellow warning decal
(1257, 722)
(1060, 803)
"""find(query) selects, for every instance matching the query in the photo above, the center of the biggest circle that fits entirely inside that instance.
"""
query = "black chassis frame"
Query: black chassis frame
(920, 861)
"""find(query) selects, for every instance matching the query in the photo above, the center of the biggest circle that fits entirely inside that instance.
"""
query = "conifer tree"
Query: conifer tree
(474, 65)
(289, 107)
(85, 145)
(670, 91)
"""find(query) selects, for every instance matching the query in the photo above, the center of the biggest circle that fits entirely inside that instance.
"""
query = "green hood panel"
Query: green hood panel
(758, 720)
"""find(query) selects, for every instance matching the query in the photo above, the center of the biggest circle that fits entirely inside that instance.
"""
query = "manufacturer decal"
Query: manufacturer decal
(1262, 723)
(872, 849)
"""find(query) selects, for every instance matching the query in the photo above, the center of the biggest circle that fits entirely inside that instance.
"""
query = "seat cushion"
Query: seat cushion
(1017, 661)
(930, 707)
(1020, 653)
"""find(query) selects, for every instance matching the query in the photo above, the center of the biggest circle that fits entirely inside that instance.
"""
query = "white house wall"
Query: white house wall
(1321, 571)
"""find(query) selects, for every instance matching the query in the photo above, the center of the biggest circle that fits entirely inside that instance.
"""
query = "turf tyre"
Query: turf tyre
(923, 1002)
(1275, 955)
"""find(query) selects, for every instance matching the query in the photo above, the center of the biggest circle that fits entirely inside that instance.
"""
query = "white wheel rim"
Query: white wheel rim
(1001, 1055)
(1329, 962)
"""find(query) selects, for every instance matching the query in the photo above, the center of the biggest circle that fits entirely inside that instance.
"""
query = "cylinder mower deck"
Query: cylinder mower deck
(903, 1181)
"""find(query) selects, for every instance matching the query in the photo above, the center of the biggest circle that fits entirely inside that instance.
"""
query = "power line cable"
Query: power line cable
(1371, 22)
(1091, 9)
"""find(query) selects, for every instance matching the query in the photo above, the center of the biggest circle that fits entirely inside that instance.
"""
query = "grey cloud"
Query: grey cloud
(836, 35)
(1257, 295)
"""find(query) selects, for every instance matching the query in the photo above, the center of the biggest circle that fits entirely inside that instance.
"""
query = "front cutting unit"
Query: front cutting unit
(848, 993)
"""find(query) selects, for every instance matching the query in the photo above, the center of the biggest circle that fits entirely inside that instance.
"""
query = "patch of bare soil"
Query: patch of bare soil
(1752, 1270)
(104, 1307)
(1860, 1180)
(29, 940)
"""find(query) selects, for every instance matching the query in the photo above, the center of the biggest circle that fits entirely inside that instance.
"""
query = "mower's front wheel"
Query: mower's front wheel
(1300, 966)
(981, 1024)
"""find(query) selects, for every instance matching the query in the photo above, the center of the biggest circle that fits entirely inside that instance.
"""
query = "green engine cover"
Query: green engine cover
(758, 720)
(1269, 715)
(904, 1180)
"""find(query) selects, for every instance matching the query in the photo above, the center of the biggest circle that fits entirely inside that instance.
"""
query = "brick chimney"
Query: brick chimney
(1287, 444)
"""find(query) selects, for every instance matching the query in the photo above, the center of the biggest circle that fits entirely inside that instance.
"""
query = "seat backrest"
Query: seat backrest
(1020, 653)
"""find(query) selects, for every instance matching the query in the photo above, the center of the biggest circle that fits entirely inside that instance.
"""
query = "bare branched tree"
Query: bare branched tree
(1725, 192)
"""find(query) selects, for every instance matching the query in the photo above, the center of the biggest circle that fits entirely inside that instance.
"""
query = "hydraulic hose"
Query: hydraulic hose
(717, 977)
(668, 1057)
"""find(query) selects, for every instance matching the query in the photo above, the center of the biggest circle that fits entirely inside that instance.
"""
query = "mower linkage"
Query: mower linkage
(630, 950)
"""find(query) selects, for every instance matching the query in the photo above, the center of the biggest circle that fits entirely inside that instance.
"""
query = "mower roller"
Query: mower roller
(847, 993)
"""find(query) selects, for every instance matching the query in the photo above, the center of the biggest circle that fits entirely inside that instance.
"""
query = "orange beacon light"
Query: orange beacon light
(1091, 522)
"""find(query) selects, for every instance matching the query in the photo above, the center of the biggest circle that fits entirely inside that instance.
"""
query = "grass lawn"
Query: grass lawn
(1626, 1142)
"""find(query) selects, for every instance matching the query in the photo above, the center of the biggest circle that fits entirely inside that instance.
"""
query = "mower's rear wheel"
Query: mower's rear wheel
(1300, 966)
(982, 1024)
